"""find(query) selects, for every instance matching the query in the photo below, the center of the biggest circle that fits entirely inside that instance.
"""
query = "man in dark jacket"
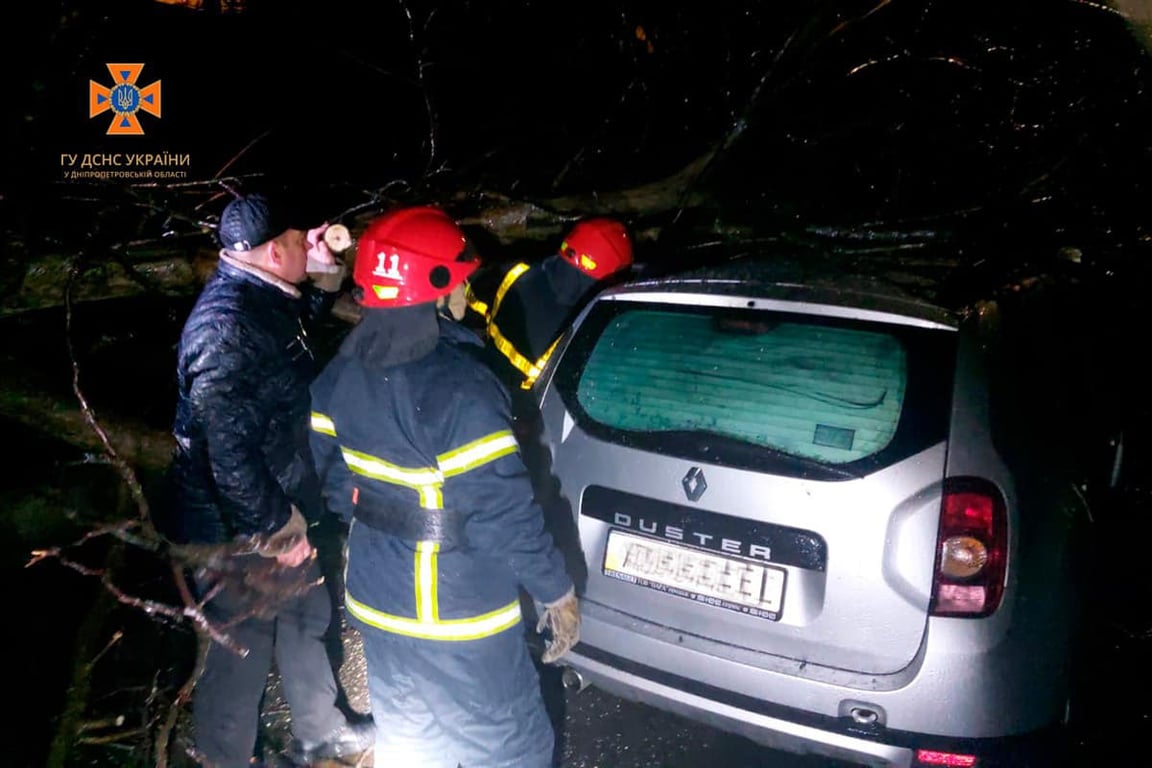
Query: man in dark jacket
(412, 438)
(243, 477)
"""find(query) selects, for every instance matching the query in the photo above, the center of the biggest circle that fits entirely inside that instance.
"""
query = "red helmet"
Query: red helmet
(598, 247)
(411, 256)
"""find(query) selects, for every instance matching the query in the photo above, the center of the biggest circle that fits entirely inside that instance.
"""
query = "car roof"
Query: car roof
(822, 278)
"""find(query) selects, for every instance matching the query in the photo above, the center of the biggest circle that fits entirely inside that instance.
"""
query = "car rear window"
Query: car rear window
(743, 387)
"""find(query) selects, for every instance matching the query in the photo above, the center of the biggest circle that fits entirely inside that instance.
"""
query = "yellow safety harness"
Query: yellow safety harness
(527, 367)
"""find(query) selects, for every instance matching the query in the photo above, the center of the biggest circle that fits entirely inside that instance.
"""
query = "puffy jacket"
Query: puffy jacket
(242, 453)
(431, 434)
(525, 309)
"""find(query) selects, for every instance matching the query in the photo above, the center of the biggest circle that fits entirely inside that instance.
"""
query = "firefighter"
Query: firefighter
(524, 309)
(412, 439)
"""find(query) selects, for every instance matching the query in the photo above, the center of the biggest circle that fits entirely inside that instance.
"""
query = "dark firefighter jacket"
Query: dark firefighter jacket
(524, 309)
(241, 426)
(401, 429)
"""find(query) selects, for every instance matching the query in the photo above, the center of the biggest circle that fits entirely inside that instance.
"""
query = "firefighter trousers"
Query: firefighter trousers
(473, 703)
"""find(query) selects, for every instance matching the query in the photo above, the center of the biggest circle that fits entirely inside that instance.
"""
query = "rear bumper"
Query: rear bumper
(728, 715)
(800, 715)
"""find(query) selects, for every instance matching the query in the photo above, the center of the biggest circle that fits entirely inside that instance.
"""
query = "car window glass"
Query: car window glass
(832, 394)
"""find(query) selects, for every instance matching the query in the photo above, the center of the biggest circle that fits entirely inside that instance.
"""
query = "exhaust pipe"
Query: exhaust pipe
(572, 680)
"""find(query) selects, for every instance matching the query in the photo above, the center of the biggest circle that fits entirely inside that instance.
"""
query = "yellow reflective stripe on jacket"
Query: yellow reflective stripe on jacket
(473, 628)
(474, 302)
(527, 367)
(477, 452)
(426, 480)
(427, 607)
(522, 364)
(323, 424)
(511, 277)
(530, 378)
(378, 469)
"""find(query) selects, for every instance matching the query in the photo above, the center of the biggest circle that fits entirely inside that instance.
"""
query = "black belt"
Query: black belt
(445, 526)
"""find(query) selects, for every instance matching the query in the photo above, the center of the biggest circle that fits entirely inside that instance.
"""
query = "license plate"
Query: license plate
(725, 582)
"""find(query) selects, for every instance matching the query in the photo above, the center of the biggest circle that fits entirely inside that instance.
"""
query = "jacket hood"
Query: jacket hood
(568, 283)
(389, 337)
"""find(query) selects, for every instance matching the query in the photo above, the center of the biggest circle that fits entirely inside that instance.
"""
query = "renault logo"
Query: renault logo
(694, 484)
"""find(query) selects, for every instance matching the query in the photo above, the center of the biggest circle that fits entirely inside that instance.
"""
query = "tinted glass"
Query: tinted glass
(748, 387)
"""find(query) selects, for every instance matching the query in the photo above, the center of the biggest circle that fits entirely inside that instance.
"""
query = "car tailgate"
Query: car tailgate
(835, 573)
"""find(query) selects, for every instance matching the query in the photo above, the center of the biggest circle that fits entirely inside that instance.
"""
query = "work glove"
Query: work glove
(561, 621)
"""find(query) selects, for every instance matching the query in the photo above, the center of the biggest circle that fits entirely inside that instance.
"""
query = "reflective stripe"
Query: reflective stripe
(530, 379)
(426, 608)
(474, 302)
(431, 497)
(378, 469)
(386, 292)
(505, 284)
(477, 452)
(521, 363)
(484, 625)
(530, 369)
(427, 481)
(323, 424)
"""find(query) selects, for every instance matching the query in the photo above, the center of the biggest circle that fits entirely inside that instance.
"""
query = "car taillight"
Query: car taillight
(971, 550)
(932, 757)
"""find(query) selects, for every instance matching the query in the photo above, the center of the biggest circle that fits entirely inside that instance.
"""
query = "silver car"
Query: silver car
(816, 511)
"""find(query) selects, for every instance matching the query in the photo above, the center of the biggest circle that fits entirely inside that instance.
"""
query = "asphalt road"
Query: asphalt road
(604, 731)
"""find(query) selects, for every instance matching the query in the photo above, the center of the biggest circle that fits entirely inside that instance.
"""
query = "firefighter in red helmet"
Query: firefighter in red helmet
(525, 308)
(412, 436)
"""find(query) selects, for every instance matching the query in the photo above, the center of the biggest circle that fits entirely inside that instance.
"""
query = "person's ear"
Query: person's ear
(275, 254)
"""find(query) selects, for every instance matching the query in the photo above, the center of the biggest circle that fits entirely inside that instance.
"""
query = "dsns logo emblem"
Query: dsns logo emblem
(125, 99)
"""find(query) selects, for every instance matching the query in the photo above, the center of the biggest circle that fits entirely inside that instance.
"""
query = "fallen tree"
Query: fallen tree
(176, 264)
